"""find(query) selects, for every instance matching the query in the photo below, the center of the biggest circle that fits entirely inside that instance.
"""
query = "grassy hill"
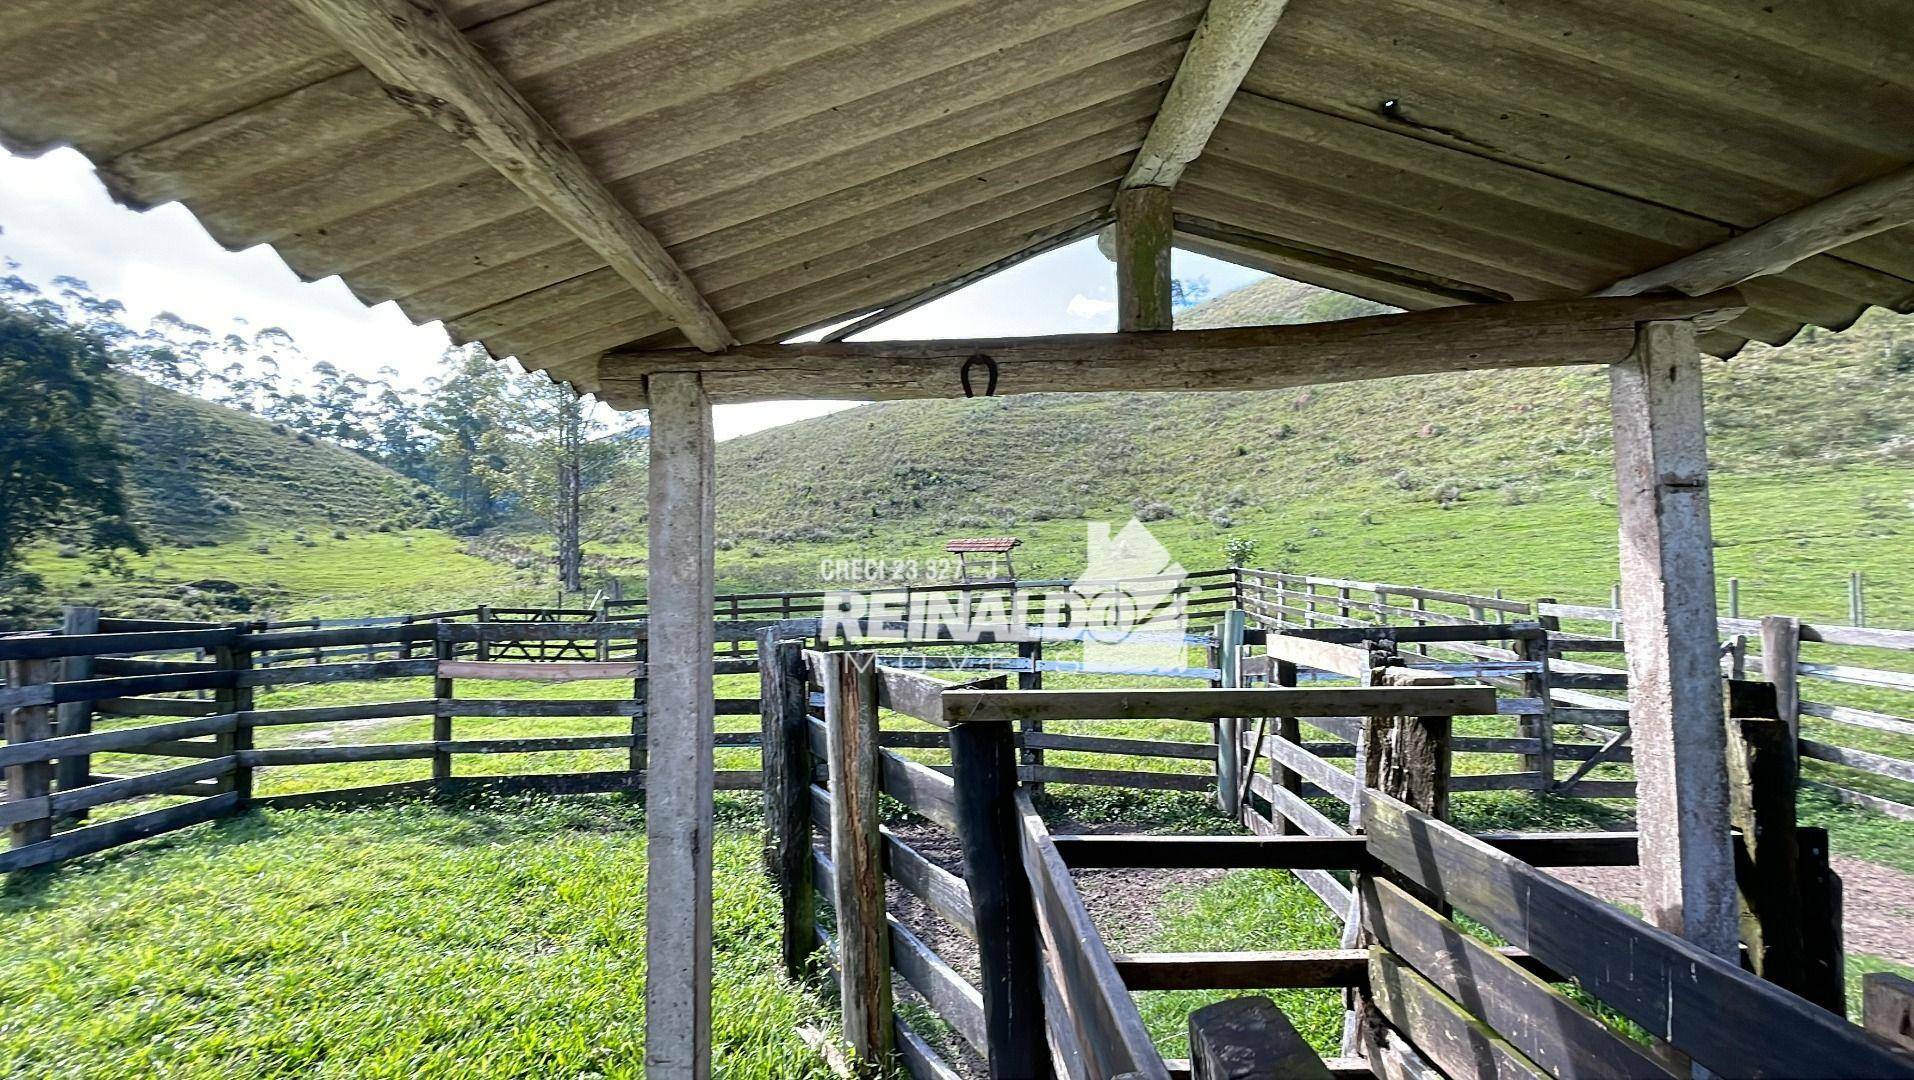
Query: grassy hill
(1433, 474)
(203, 472)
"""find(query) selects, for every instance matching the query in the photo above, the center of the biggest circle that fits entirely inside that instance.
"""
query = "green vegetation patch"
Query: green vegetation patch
(503, 938)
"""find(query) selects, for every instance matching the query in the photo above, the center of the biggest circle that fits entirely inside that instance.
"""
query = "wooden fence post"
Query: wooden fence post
(482, 649)
(1857, 610)
(236, 659)
(30, 723)
(783, 702)
(857, 855)
(1249, 1038)
(75, 717)
(1408, 758)
(1031, 652)
(1229, 730)
(1541, 726)
(984, 767)
(601, 614)
(1283, 673)
(443, 649)
(1780, 655)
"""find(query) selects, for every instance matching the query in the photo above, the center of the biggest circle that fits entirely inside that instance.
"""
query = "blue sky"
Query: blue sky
(56, 218)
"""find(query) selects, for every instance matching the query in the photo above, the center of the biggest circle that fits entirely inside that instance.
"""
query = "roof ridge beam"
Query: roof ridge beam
(427, 65)
(1220, 53)
(1854, 213)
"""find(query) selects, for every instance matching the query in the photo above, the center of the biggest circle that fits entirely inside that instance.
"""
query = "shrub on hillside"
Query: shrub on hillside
(1153, 511)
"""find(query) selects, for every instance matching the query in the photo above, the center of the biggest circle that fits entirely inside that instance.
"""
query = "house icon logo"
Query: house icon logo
(1129, 601)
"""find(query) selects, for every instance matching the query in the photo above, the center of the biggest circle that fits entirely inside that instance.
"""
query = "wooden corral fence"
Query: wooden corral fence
(1425, 994)
(137, 689)
(1568, 689)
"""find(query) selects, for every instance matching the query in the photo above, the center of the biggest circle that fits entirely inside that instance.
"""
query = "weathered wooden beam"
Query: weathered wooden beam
(1537, 333)
(1250, 1039)
(1886, 202)
(1144, 227)
(428, 66)
(857, 855)
(1225, 44)
(1668, 610)
(680, 777)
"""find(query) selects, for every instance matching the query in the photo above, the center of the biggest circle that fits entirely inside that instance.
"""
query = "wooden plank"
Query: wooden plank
(1312, 768)
(75, 717)
(41, 646)
(321, 673)
(99, 742)
(343, 797)
(1143, 233)
(523, 707)
(1876, 803)
(914, 695)
(857, 894)
(1140, 850)
(1347, 660)
(1878, 764)
(972, 706)
(1870, 636)
(111, 834)
(428, 66)
(920, 1061)
(1098, 744)
(1728, 1020)
(1549, 1029)
(943, 891)
(1108, 1028)
(1146, 781)
(1249, 1039)
(1519, 334)
(164, 781)
(1872, 206)
(1845, 714)
(919, 787)
(680, 773)
(332, 755)
(1226, 42)
(538, 671)
(1247, 970)
(1459, 1044)
(955, 1001)
(1668, 609)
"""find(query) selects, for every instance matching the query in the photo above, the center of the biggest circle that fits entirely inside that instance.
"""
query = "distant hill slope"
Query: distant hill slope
(198, 471)
(982, 465)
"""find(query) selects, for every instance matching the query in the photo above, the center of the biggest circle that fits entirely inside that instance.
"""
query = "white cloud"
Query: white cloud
(1082, 307)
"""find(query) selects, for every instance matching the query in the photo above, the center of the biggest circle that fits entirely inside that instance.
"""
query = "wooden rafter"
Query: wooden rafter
(1524, 334)
(427, 65)
(1857, 212)
(1224, 46)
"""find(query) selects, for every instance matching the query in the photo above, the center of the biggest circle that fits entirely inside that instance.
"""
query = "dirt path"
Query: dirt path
(1877, 902)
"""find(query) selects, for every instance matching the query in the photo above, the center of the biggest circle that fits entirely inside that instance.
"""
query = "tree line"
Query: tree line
(497, 446)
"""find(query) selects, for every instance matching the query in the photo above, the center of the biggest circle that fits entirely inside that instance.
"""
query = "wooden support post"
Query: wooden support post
(1825, 976)
(1734, 598)
(1540, 726)
(1668, 611)
(681, 776)
(1857, 611)
(601, 614)
(443, 648)
(1780, 657)
(787, 793)
(1143, 231)
(641, 702)
(1229, 730)
(1031, 652)
(984, 767)
(857, 855)
(75, 717)
(1283, 673)
(236, 658)
(1614, 601)
(482, 649)
(1407, 758)
(1763, 771)
(30, 723)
